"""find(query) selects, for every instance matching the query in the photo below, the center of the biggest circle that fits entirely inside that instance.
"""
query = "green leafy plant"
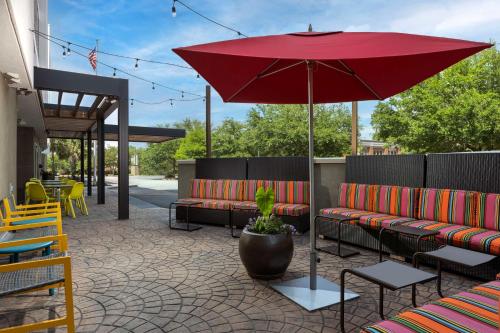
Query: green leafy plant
(267, 223)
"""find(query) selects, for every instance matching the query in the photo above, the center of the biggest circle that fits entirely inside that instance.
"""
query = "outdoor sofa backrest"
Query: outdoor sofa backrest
(469, 208)
(393, 200)
(290, 192)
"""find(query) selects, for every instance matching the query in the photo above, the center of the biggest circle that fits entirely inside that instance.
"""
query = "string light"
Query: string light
(64, 41)
(182, 96)
(117, 70)
(136, 63)
(64, 52)
(168, 100)
(114, 71)
(171, 103)
(69, 50)
(132, 101)
(174, 13)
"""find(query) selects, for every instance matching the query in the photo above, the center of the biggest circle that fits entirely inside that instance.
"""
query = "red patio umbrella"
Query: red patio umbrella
(340, 66)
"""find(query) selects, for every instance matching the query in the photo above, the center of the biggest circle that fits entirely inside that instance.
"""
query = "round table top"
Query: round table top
(25, 248)
(60, 185)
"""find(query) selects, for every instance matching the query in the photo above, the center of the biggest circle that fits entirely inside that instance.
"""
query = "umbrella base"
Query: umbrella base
(326, 294)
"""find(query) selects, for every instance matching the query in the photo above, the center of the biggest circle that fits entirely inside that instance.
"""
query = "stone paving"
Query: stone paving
(138, 276)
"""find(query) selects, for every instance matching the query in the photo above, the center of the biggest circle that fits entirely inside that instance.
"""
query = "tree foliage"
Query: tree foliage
(456, 110)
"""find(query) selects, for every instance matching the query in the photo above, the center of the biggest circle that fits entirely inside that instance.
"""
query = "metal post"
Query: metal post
(312, 232)
(100, 160)
(82, 159)
(89, 163)
(354, 129)
(123, 190)
(208, 124)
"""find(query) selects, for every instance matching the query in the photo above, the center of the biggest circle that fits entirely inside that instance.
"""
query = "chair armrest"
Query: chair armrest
(64, 260)
(61, 239)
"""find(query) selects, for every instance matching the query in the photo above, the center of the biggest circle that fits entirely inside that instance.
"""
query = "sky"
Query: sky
(146, 29)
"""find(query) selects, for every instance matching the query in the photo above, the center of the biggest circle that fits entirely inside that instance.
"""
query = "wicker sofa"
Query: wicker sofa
(463, 218)
(475, 310)
(225, 199)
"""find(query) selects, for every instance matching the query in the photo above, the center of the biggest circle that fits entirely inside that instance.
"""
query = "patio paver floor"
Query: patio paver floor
(138, 276)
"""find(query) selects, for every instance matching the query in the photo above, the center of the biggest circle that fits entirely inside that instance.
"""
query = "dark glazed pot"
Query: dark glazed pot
(266, 257)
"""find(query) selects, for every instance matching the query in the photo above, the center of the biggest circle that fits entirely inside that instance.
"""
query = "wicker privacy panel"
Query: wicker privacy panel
(400, 170)
(464, 171)
(278, 168)
(221, 168)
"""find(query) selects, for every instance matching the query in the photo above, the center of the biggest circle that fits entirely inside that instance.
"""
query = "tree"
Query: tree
(282, 130)
(228, 139)
(456, 110)
(111, 158)
(193, 145)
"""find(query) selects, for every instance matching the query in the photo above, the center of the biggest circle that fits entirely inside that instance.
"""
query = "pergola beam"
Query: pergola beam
(59, 98)
(93, 108)
(78, 102)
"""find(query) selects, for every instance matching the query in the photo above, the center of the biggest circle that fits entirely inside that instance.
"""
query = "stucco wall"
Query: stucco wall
(8, 138)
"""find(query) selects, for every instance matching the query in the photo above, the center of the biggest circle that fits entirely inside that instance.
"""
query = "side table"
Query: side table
(187, 226)
(417, 233)
(336, 250)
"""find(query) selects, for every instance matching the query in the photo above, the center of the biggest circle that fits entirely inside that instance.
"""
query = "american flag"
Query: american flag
(93, 58)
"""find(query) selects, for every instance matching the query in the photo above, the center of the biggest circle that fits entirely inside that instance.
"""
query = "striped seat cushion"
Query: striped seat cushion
(475, 310)
(378, 221)
(355, 196)
(351, 212)
(488, 211)
(476, 239)
(280, 209)
(394, 200)
(290, 192)
(448, 206)
(225, 189)
(212, 203)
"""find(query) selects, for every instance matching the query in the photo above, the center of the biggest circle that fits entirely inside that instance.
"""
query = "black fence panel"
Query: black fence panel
(221, 168)
(278, 168)
(465, 171)
(401, 170)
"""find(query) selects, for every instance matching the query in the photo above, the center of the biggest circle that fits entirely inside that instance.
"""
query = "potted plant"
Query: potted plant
(266, 243)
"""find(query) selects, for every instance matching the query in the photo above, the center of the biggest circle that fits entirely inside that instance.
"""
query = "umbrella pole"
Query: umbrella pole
(312, 210)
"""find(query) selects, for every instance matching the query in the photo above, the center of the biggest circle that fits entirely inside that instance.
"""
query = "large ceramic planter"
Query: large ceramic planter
(266, 257)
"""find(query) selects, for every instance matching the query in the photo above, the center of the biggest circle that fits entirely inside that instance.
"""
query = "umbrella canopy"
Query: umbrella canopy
(348, 66)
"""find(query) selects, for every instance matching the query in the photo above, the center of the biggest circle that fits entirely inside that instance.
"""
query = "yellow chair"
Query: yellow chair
(39, 274)
(76, 194)
(37, 193)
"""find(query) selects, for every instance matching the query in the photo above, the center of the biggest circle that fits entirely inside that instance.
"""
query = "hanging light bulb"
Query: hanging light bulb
(174, 11)
(64, 51)
(182, 94)
(114, 71)
(171, 103)
(132, 101)
(153, 85)
(136, 63)
(197, 75)
(69, 50)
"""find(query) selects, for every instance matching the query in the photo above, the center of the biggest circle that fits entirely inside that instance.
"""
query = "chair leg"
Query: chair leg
(68, 293)
(71, 208)
(84, 204)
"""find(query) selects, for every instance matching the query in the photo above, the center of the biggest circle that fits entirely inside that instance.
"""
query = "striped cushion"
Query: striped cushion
(394, 200)
(354, 196)
(377, 220)
(346, 212)
(282, 209)
(292, 192)
(488, 211)
(475, 310)
(476, 239)
(449, 206)
(212, 203)
(225, 189)
(286, 209)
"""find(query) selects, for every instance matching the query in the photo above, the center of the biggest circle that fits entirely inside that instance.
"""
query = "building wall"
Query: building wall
(8, 140)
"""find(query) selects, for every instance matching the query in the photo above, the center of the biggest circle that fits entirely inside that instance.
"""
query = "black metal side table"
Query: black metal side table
(453, 255)
(187, 226)
(417, 233)
(337, 250)
(387, 274)
(253, 210)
